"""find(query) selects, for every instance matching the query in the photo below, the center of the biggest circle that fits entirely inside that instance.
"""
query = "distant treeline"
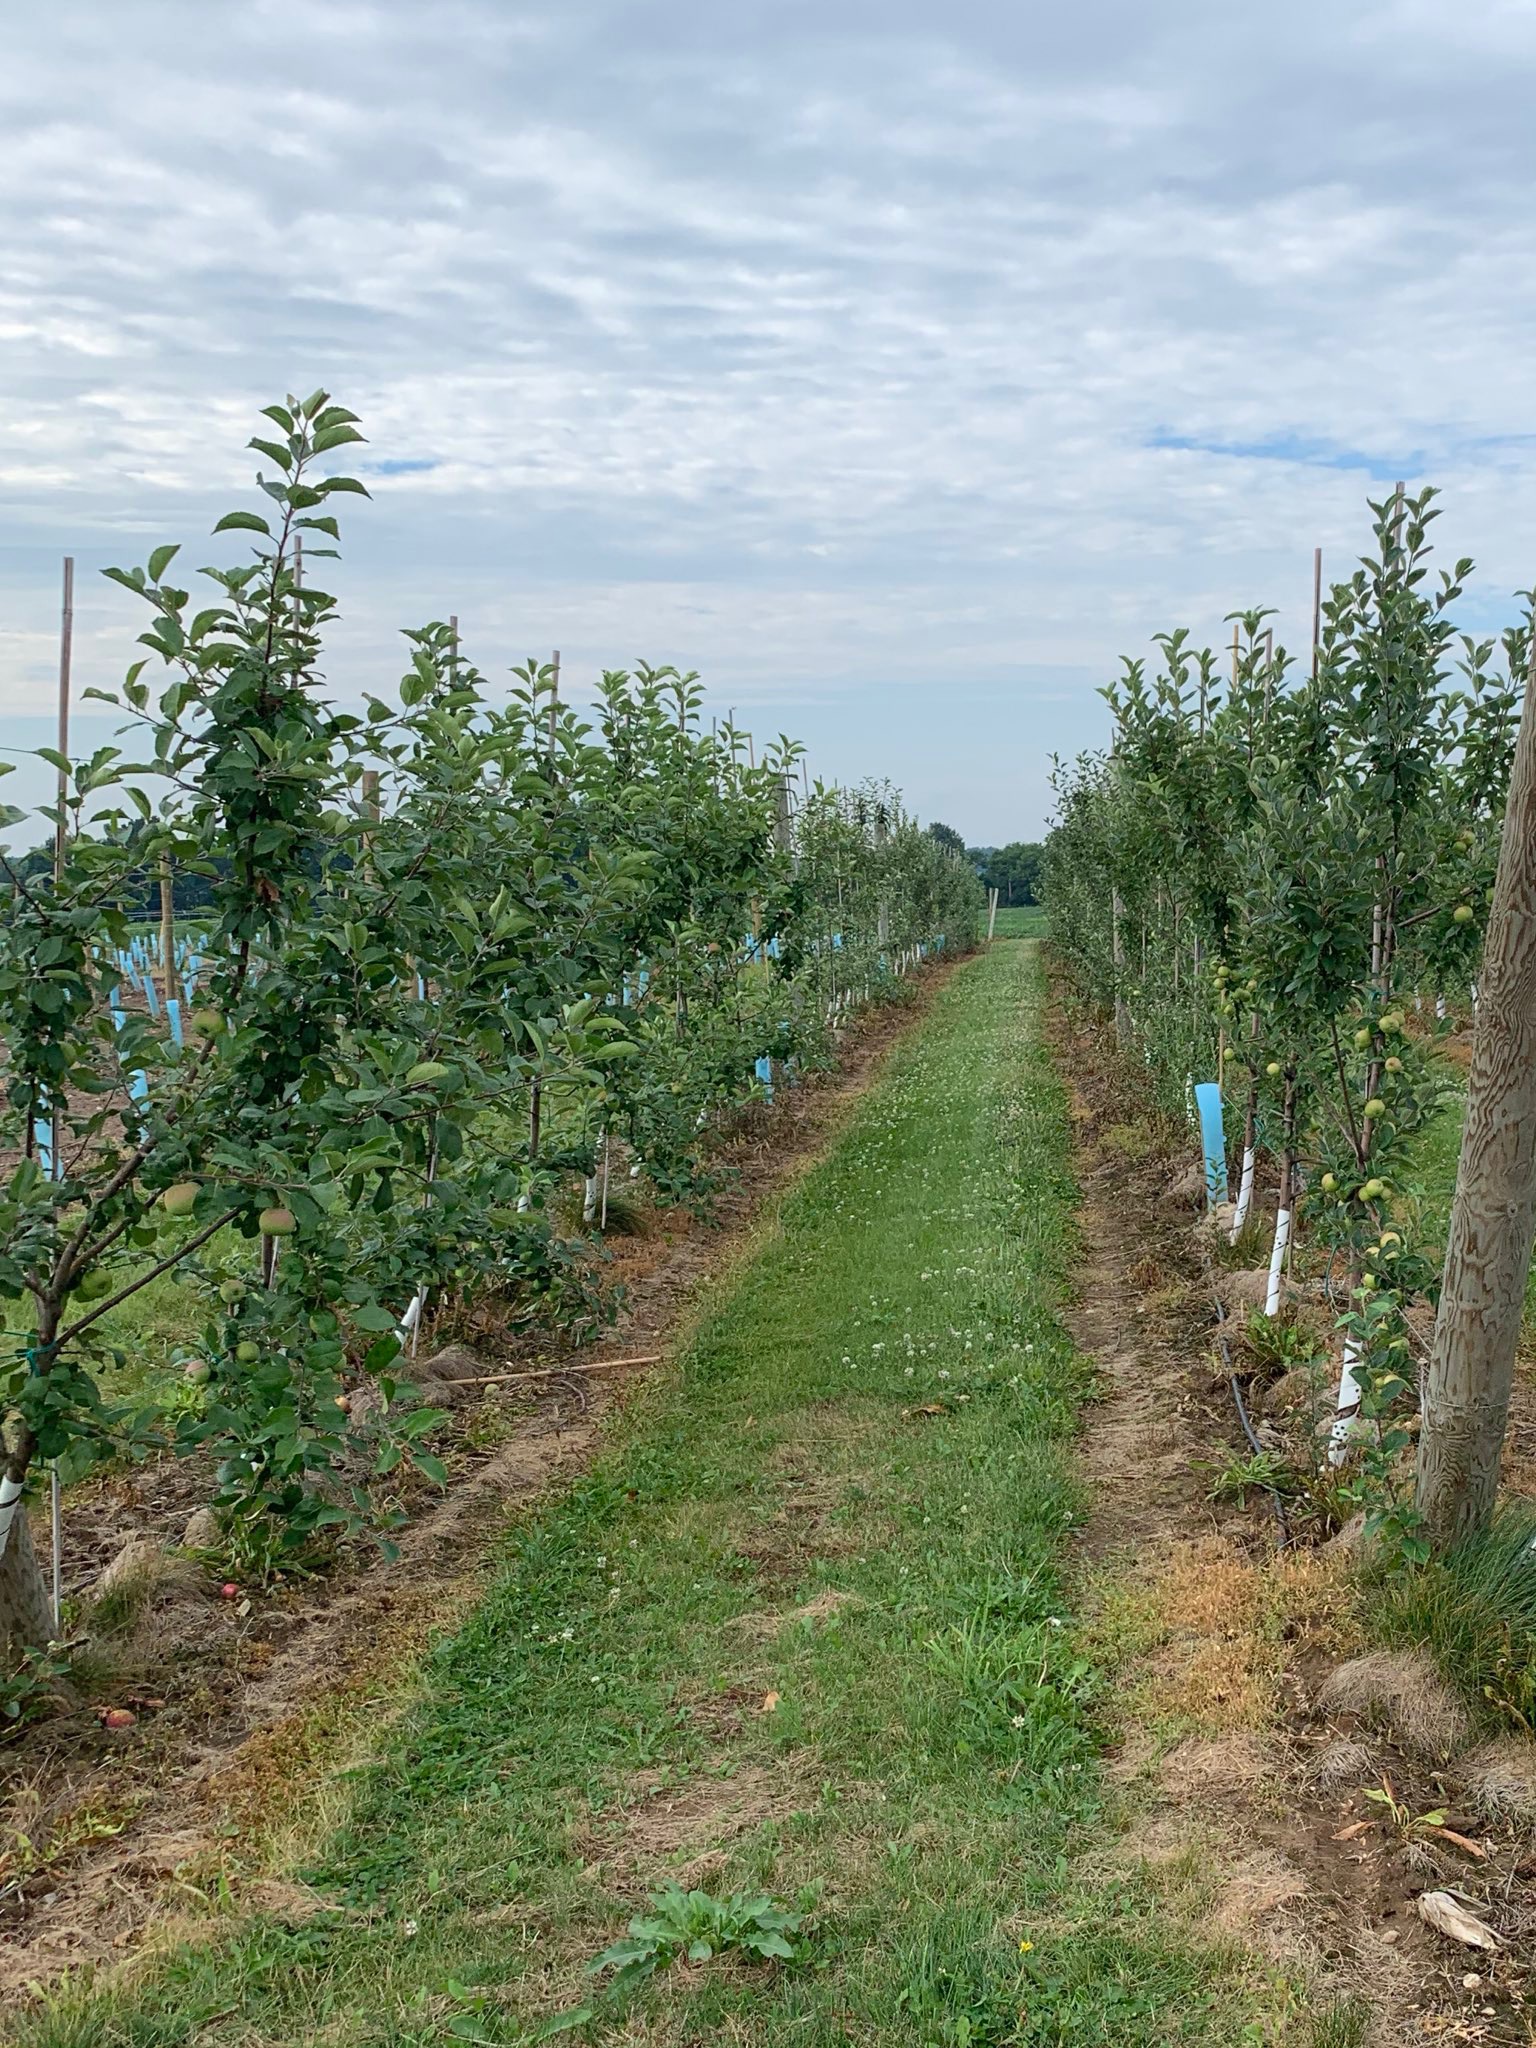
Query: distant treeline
(1011, 870)
(191, 892)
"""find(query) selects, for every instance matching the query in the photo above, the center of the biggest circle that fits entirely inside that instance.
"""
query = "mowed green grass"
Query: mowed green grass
(1020, 921)
(803, 1629)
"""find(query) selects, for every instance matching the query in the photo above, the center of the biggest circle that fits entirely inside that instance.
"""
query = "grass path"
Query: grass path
(802, 1632)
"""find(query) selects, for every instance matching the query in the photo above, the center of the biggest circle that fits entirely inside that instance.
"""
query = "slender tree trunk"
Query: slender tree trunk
(1493, 1222)
(26, 1605)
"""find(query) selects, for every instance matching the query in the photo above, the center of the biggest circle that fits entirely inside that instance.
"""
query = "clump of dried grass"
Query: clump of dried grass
(1401, 1690)
(1500, 1781)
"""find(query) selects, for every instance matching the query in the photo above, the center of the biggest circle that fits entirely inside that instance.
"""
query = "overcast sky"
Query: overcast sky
(897, 366)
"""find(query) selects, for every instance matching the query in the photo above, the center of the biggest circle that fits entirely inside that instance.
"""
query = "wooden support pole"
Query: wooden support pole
(168, 926)
(61, 827)
(60, 847)
(1317, 608)
(368, 804)
(66, 658)
(783, 835)
(555, 1372)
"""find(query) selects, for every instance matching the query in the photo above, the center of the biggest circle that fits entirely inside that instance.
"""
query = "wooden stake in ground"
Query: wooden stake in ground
(783, 815)
(370, 810)
(60, 844)
(1493, 1222)
(66, 656)
(1317, 607)
(61, 826)
(168, 925)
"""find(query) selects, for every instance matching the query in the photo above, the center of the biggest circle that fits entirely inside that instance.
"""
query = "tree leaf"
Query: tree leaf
(243, 522)
(335, 437)
(433, 1467)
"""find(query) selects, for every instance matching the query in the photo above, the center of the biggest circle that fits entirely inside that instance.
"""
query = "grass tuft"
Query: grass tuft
(1342, 2024)
(1475, 1610)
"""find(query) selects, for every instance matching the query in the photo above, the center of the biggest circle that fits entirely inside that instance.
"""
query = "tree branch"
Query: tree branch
(164, 1266)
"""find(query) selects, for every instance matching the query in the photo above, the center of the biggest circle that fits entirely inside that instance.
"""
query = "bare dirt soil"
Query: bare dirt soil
(1250, 1724)
(245, 1705)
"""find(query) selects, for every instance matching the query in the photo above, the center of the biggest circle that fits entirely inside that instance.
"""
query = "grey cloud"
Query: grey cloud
(823, 347)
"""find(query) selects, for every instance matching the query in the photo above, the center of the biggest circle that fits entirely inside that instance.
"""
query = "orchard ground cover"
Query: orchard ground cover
(1020, 921)
(283, 1683)
(1270, 1684)
(803, 1634)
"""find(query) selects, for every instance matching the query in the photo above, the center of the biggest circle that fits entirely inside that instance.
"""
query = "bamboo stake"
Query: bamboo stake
(60, 843)
(370, 807)
(554, 1372)
(61, 826)
(168, 925)
(66, 656)
(1317, 607)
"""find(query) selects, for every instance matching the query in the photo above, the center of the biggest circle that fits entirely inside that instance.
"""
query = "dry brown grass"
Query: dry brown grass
(1220, 1629)
(1501, 1781)
(1200, 1767)
(1401, 1690)
(667, 1829)
(1255, 1891)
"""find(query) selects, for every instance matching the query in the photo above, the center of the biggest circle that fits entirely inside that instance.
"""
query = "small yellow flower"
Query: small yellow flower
(1025, 1947)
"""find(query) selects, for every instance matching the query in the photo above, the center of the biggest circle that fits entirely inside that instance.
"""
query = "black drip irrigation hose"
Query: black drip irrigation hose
(1238, 1404)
